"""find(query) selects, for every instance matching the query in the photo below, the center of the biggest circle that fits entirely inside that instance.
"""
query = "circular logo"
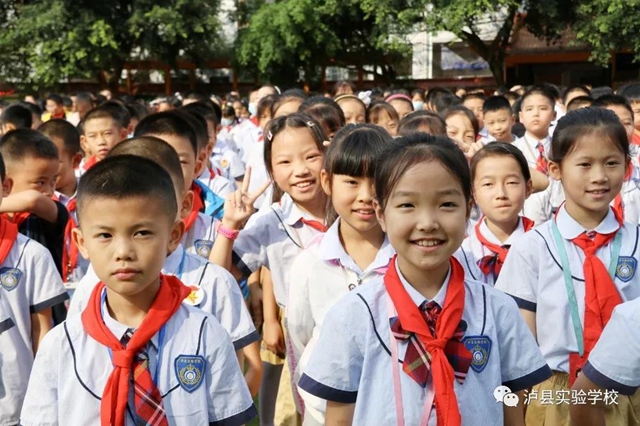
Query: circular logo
(190, 375)
(479, 356)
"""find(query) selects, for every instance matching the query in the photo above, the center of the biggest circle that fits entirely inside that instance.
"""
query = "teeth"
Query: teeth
(365, 211)
(428, 243)
(303, 184)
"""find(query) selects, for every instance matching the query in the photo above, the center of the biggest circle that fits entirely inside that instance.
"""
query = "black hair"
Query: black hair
(496, 103)
(574, 88)
(613, 100)
(203, 109)
(137, 110)
(199, 124)
(422, 121)
(500, 149)
(596, 92)
(584, 121)
(551, 89)
(286, 97)
(325, 111)
(112, 110)
(630, 91)
(343, 85)
(154, 149)
(462, 110)
(55, 98)
(474, 95)
(265, 104)
(169, 123)
(377, 107)
(128, 176)
(3, 169)
(403, 153)
(67, 102)
(19, 144)
(512, 96)
(35, 109)
(194, 96)
(18, 116)
(63, 130)
(539, 90)
(579, 102)
(444, 102)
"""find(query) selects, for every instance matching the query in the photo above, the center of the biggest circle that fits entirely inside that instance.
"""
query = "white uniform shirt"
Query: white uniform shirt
(199, 238)
(533, 276)
(5, 320)
(220, 185)
(220, 294)
(474, 250)
(228, 162)
(614, 363)
(59, 396)
(39, 287)
(352, 361)
(273, 238)
(535, 207)
(320, 276)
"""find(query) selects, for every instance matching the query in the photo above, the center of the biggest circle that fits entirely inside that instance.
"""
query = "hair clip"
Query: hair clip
(310, 123)
(269, 136)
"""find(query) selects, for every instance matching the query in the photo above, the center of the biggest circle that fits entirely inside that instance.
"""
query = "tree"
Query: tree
(286, 36)
(49, 41)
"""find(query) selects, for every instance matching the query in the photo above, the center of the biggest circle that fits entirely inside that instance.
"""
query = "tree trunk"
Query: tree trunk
(496, 65)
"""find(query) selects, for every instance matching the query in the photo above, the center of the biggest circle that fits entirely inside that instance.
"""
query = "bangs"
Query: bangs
(357, 156)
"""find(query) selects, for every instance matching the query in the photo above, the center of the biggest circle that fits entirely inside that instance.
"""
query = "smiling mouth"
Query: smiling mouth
(305, 184)
(428, 243)
(598, 191)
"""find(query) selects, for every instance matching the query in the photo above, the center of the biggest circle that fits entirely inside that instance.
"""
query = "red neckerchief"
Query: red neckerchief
(17, 218)
(412, 320)
(116, 392)
(195, 208)
(8, 235)
(315, 224)
(70, 251)
(618, 206)
(90, 162)
(635, 139)
(493, 263)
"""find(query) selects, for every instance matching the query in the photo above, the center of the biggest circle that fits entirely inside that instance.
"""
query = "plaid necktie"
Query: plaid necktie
(541, 163)
(417, 361)
(492, 263)
(147, 398)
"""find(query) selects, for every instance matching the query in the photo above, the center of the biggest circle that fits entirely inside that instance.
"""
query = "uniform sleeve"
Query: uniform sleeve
(250, 248)
(236, 166)
(82, 292)
(299, 318)
(45, 285)
(230, 308)
(334, 369)
(538, 206)
(519, 275)
(229, 400)
(40, 405)
(522, 363)
(5, 321)
(614, 363)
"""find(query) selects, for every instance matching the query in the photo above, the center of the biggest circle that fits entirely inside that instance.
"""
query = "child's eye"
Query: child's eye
(405, 205)
(144, 233)
(449, 204)
(487, 184)
(103, 236)
(352, 182)
(613, 163)
(313, 157)
(283, 162)
(584, 165)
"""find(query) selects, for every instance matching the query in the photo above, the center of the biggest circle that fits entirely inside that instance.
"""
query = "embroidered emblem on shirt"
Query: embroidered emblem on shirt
(10, 278)
(626, 268)
(203, 248)
(480, 348)
(190, 371)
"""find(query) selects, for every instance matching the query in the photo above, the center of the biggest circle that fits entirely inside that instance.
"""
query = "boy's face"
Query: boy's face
(40, 174)
(475, 105)
(499, 124)
(101, 135)
(68, 164)
(536, 115)
(187, 157)
(635, 106)
(625, 116)
(53, 107)
(127, 241)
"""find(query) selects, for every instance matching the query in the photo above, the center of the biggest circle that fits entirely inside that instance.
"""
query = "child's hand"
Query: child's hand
(273, 337)
(472, 150)
(238, 206)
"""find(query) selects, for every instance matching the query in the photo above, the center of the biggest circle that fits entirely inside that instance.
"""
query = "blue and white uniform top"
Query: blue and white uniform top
(29, 283)
(273, 238)
(200, 237)
(71, 371)
(353, 362)
(5, 320)
(533, 276)
(217, 293)
(614, 363)
(320, 276)
(220, 185)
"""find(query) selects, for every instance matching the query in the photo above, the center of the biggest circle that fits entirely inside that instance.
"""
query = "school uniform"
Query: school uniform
(536, 205)
(229, 162)
(533, 275)
(77, 271)
(474, 251)
(29, 283)
(5, 320)
(199, 237)
(216, 292)
(217, 395)
(354, 357)
(220, 185)
(320, 276)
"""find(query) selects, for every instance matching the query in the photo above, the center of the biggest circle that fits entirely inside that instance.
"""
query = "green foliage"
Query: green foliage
(49, 41)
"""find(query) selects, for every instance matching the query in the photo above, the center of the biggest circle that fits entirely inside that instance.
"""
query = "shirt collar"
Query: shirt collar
(172, 262)
(64, 199)
(533, 141)
(418, 298)
(117, 328)
(490, 236)
(291, 212)
(570, 229)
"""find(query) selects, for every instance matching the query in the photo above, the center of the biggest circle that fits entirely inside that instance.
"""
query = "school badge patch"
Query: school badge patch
(480, 348)
(203, 248)
(190, 371)
(10, 278)
(626, 268)
(224, 163)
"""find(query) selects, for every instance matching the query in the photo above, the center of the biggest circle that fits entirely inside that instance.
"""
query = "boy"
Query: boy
(632, 93)
(15, 117)
(29, 287)
(55, 108)
(102, 129)
(135, 326)
(579, 102)
(498, 119)
(67, 139)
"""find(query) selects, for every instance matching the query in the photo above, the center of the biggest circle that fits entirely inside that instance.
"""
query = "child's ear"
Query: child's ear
(7, 186)
(380, 215)
(76, 160)
(528, 189)
(177, 231)
(124, 133)
(78, 240)
(554, 170)
(520, 116)
(85, 146)
(513, 119)
(325, 181)
(187, 204)
(202, 155)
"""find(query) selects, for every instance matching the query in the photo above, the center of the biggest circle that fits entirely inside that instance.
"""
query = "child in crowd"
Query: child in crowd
(569, 273)
(422, 121)
(384, 115)
(401, 103)
(15, 117)
(474, 102)
(423, 332)
(498, 119)
(102, 128)
(355, 110)
(631, 92)
(462, 125)
(135, 332)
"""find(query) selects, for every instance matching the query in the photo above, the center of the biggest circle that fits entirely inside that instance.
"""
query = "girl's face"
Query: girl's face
(385, 120)
(296, 162)
(459, 128)
(287, 108)
(354, 112)
(425, 218)
(402, 107)
(352, 199)
(499, 188)
(592, 175)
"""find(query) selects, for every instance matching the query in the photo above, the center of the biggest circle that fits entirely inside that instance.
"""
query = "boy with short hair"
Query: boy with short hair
(30, 287)
(632, 93)
(178, 359)
(14, 117)
(579, 102)
(54, 107)
(67, 139)
(102, 129)
(498, 119)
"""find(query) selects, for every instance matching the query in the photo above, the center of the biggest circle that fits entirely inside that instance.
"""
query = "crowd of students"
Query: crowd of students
(371, 258)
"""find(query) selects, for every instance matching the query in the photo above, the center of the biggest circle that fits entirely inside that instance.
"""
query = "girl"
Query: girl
(501, 182)
(384, 115)
(462, 125)
(355, 111)
(293, 156)
(401, 103)
(287, 103)
(569, 273)
(326, 112)
(353, 251)
(422, 121)
(420, 310)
